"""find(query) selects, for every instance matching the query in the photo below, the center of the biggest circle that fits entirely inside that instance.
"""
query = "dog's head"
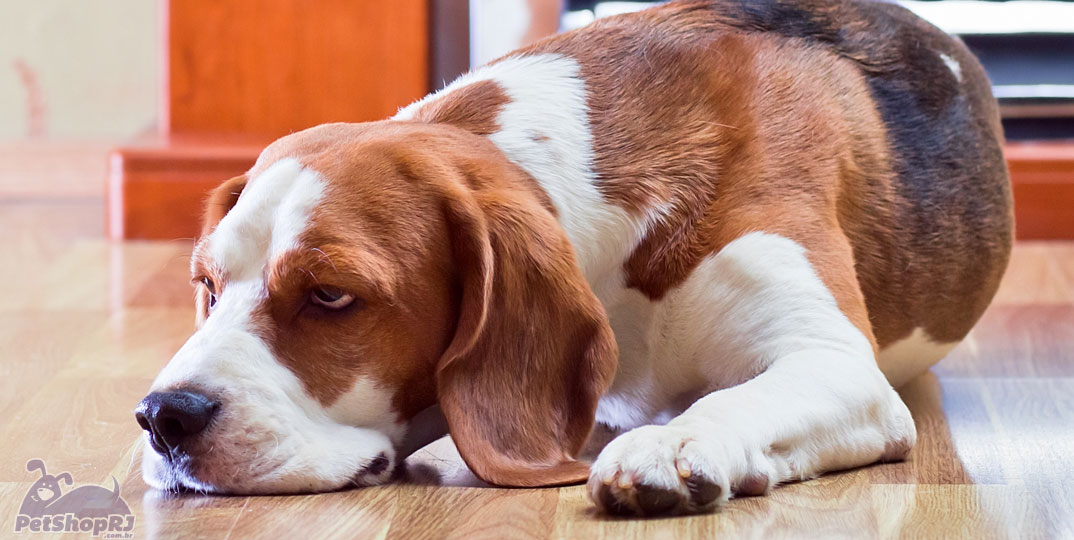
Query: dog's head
(357, 275)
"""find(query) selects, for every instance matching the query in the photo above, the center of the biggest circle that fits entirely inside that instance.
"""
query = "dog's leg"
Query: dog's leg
(791, 323)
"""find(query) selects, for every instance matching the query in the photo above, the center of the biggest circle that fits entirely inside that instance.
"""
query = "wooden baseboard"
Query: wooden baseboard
(157, 192)
(1042, 175)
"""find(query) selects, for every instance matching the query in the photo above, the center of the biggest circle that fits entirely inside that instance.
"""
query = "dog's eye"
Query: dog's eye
(212, 291)
(330, 297)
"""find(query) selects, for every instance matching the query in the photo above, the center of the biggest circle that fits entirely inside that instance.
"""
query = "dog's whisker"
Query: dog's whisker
(325, 257)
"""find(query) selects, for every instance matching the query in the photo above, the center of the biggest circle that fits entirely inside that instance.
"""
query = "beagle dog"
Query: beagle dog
(722, 230)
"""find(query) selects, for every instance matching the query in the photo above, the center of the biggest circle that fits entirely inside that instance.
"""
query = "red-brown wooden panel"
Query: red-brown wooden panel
(1043, 177)
(259, 67)
(157, 193)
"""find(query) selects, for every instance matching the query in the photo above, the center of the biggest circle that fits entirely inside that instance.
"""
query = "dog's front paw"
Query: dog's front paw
(656, 470)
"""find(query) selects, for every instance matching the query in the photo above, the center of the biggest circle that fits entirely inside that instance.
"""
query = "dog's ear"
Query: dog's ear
(532, 351)
(221, 201)
(36, 465)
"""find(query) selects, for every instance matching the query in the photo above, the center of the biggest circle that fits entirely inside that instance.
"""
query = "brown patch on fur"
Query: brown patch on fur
(748, 135)
(475, 108)
(383, 336)
(778, 117)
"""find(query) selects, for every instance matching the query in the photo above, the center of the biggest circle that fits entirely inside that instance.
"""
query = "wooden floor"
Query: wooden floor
(85, 325)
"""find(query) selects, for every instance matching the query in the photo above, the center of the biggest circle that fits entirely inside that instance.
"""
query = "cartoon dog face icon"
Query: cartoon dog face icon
(45, 490)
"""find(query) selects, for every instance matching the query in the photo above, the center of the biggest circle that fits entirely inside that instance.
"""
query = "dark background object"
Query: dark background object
(1032, 74)
(449, 41)
(1033, 77)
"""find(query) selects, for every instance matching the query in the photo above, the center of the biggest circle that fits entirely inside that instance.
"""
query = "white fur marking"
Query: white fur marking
(369, 405)
(801, 391)
(911, 356)
(545, 130)
(267, 220)
(953, 65)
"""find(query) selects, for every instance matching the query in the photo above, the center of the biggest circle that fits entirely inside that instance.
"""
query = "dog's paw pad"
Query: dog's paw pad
(703, 492)
(609, 503)
(656, 500)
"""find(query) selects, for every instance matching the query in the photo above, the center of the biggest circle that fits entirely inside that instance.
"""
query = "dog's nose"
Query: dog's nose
(172, 418)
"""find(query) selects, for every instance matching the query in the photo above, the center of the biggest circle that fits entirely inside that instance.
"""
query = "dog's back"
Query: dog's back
(742, 86)
(952, 212)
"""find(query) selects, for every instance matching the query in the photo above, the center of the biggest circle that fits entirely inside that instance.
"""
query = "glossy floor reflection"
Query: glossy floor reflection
(85, 325)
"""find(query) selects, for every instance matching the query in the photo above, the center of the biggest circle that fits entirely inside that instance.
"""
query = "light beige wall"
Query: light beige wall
(78, 68)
